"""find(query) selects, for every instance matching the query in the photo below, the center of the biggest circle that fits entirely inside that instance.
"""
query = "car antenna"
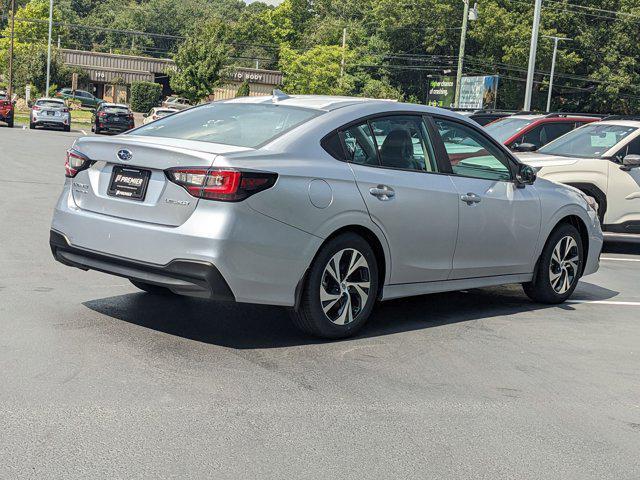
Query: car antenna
(279, 95)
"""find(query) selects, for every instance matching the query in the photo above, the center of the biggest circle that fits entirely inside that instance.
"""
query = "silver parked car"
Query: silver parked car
(50, 112)
(321, 204)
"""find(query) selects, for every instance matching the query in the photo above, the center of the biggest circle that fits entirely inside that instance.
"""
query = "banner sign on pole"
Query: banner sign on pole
(441, 92)
(478, 93)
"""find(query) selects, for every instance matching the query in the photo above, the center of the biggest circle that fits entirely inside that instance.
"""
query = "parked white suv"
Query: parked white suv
(602, 160)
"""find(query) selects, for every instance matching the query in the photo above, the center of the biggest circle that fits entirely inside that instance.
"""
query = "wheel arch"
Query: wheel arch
(373, 239)
(595, 192)
(581, 226)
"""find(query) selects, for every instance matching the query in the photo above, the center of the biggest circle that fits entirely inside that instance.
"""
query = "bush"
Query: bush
(244, 90)
(145, 96)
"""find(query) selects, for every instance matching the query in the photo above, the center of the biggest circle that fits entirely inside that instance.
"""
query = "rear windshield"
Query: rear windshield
(502, 130)
(591, 141)
(115, 109)
(49, 103)
(165, 112)
(237, 124)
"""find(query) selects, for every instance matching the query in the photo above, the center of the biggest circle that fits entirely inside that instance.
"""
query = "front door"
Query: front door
(393, 162)
(499, 222)
(623, 193)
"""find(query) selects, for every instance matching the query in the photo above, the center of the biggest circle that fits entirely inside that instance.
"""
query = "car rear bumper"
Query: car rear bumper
(118, 128)
(62, 121)
(260, 259)
(184, 277)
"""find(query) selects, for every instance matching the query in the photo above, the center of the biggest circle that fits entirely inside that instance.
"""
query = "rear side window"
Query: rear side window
(361, 147)
(238, 124)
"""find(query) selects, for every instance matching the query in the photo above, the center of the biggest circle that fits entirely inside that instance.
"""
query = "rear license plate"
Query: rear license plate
(51, 114)
(129, 183)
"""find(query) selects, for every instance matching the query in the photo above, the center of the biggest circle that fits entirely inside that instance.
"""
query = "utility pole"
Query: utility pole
(532, 54)
(10, 89)
(553, 65)
(463, 41)
(46, 93)
(344, 48)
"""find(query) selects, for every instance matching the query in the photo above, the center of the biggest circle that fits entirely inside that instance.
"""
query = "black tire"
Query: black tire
(67, 128)
(32, 125)
(10, 122)
(540, 289)
(310, 316)
(150, 288)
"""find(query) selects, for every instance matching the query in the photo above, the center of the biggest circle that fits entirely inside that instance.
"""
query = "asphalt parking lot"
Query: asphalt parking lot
(99, 380)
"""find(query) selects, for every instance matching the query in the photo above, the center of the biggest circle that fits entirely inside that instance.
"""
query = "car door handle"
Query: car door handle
(382, 192)
(470, 198)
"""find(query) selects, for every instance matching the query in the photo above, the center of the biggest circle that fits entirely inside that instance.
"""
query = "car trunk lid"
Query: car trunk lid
(127, 179)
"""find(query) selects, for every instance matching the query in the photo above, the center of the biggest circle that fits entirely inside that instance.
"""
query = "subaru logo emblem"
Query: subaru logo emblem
(124, 155)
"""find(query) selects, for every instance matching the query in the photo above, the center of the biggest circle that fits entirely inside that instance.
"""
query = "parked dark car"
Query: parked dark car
(85, 98)
(6, 109)
(112, 118)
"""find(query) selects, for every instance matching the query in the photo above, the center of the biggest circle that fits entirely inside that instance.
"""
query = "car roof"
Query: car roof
(316, 102)
(59, 100)
(624, 123)
(109, 104)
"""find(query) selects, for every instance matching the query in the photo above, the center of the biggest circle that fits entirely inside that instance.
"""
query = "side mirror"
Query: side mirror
(629, 162)
(525, 147)
(526, 175)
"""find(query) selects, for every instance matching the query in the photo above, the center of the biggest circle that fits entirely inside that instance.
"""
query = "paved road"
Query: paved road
(98, 380)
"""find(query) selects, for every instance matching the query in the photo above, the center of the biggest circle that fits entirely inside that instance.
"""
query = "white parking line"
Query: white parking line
(621, 259)
(606, 302)
(83, 132)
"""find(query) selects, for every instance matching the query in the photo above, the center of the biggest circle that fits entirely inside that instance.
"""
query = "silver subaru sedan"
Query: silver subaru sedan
(321, 204)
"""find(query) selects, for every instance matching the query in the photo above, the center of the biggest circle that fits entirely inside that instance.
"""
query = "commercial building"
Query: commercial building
(110, 75)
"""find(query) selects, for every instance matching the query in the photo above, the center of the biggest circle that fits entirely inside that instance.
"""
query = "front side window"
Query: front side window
(237, 124)
(631, 148)
(471, 154)
(591, 141)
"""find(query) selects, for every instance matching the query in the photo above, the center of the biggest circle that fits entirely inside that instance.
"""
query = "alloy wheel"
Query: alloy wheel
(565, 261)
(345, 286)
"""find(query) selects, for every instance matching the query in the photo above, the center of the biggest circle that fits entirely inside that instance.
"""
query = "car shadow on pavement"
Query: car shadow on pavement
(244, 326)
(626, 248)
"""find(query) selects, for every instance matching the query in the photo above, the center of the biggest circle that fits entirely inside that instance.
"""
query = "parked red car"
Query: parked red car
(527, 133)
(6, 109)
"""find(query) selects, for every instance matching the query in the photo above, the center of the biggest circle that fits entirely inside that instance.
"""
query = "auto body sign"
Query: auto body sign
(441, 92)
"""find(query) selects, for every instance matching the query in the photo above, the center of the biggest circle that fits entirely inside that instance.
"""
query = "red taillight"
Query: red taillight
(102, 114)
(36, 107)
(75, 162)
(130, 116)
(65, 110)
(221, 184)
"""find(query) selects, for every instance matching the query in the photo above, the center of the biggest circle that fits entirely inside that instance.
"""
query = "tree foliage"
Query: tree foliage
(392, 49)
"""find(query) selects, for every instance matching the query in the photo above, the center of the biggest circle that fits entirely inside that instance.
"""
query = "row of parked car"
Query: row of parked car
(597, 154)
(107, 117)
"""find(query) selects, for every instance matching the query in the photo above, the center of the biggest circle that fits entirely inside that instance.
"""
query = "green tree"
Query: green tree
(200, 61)
(316, 71)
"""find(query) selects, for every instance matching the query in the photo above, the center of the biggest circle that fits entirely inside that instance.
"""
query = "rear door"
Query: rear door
(128, 181)
(394, 165)
(499, 222)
